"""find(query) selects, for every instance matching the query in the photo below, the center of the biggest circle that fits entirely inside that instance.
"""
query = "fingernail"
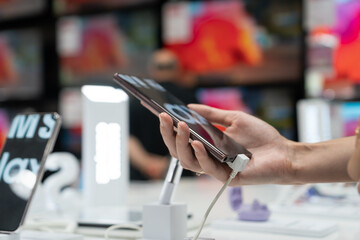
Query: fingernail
(161, 122)
(180, 131)
(194, 147)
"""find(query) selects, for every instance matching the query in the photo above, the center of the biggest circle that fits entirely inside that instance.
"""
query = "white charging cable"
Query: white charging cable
(120, 226)
(237, 166)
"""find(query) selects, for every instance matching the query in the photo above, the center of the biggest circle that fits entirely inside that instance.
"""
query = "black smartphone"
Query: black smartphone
(30, 139)
(157, 99)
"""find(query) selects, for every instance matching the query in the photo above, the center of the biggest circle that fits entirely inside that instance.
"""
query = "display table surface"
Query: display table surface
(198, 192)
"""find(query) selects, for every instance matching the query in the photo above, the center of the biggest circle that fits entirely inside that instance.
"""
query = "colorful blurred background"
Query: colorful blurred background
(258, 56)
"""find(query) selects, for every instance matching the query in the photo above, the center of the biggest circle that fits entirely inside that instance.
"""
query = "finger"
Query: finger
(167, 133)
(210, 166)
(214, 115)
(184, 150)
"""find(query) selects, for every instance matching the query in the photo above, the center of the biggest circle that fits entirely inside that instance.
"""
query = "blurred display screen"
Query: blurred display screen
(333, 51)
(4, 126)
(6, 114)
(30, 139)
(244, 41)
(70, 109)
(350, 113)
(92, 49)
(20, 64)
(10, 9)
(76, 6)
(274, 106)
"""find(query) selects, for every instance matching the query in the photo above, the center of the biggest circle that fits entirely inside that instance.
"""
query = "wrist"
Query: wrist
(295, 153)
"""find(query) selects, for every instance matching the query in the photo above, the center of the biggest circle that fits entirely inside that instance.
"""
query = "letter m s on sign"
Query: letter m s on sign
(24, 126)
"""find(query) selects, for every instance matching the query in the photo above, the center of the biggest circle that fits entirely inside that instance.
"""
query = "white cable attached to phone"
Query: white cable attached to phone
(237, 166)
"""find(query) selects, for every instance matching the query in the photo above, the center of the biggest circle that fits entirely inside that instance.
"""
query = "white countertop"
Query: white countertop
(198, 192)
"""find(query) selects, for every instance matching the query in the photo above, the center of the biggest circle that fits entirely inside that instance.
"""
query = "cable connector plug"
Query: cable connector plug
(238, 164)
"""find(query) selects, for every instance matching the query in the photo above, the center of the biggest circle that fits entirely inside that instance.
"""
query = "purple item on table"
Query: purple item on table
(247, 212)
(253, 212)
(235, 196)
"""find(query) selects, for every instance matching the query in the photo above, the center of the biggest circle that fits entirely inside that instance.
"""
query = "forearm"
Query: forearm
(321, 162)
(150, 164)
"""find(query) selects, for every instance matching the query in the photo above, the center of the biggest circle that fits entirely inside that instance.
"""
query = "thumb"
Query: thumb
(214, 115)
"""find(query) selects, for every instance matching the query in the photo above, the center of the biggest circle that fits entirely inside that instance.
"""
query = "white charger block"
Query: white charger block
(164, 222)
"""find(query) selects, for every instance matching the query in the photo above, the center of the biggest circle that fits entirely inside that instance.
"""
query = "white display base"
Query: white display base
(109, 216)
(164, 222)
(37, 235)
(11, 236)
(286, 226)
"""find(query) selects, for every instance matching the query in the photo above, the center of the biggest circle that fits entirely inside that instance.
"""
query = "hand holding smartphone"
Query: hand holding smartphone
(157, 99)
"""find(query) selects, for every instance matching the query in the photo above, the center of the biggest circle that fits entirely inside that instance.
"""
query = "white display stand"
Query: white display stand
(105, 161)
(11, 236)
(164, 222)
(37, 235)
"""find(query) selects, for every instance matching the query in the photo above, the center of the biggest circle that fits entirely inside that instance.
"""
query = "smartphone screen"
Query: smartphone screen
(157, 99)
(30, 139)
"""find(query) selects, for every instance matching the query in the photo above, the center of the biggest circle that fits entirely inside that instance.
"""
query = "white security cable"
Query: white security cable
(237, 165)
